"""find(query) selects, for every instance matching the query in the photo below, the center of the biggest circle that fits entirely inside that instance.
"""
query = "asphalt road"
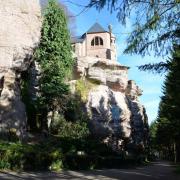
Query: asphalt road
(156, 171)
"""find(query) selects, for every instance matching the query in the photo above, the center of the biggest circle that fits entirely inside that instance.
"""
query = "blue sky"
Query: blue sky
(151, 84)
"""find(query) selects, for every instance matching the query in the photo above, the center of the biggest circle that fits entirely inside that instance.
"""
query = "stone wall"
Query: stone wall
(19, 35)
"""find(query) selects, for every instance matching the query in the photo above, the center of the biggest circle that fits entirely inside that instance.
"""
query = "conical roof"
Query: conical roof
(96, 28)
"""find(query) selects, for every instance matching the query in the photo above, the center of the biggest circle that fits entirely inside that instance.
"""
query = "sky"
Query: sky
(150, 83)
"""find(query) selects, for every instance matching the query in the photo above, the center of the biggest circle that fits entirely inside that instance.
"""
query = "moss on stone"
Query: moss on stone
(83, 86)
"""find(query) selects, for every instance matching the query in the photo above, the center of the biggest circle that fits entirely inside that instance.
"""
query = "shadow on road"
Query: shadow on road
(156, 171)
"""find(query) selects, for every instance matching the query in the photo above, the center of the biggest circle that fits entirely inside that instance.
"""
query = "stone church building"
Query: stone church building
(96, 42)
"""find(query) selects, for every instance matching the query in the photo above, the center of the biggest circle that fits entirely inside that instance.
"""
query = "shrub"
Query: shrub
(83, 87)
(75, 109)
(68, 129)
(17, 156)
(59, 153)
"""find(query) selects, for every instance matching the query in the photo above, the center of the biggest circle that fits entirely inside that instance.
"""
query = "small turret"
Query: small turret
(110, 28)
(112, 43)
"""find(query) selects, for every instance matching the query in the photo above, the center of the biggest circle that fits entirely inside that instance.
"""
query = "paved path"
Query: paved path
(157, 171)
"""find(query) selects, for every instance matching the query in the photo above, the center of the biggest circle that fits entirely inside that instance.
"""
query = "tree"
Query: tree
(168, 129)
(55, 60)
(70, 17)
(153, 131)
(156, 25)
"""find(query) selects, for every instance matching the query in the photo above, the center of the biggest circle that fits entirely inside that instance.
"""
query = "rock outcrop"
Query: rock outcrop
(19, 35)
(115, 113)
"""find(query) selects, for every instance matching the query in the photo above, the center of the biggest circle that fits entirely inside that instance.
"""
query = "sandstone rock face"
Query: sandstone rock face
(115, 113)
(109, 112)
(19, 32)
(104, 71)
(19, 35)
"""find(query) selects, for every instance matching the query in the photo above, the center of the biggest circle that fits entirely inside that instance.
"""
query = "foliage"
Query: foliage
(56, 165)
(55, 59)
(153, 129)
(168, 122)
(155, 28)
(170, 104)
(68, 129)
(27, 100)
(83, 87)
(153, 141)
(156, 23)
(75, 109)
(19, 156)
(59, 153)
(156, 67)
(73, 122)
(70, 16)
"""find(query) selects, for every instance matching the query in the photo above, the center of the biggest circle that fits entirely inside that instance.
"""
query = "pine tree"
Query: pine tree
(168, 132)
(55, 59)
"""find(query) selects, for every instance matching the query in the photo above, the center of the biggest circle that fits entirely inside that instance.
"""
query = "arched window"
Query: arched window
(97, 41)
(101, 41)
(92, 42)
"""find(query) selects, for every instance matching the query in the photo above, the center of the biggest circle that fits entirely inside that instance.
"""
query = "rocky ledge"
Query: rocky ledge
(115, 113)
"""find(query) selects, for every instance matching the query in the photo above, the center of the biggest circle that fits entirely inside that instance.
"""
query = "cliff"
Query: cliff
(115, 114)
(19, 35)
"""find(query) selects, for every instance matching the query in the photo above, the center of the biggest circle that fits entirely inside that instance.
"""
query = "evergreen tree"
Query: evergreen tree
(153, 131)
(168, 130)
(55, 59)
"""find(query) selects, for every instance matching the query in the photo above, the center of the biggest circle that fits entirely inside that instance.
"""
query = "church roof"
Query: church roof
(77, 39)
(96, 28)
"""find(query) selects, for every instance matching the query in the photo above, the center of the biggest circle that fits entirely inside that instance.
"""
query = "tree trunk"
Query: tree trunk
(175, 153)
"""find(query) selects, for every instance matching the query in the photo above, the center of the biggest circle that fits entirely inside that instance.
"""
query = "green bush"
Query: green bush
(60, 153)
(75, 109)
(17, 156)
(83, 87)
(67, 129)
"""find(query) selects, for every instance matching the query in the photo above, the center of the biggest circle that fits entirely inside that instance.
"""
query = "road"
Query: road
(156, 171)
